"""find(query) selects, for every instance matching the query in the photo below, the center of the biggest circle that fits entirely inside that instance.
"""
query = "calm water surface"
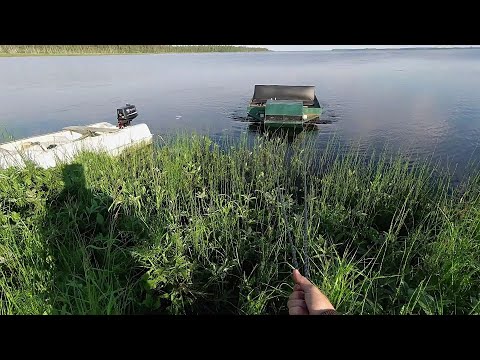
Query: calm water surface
(426, 101)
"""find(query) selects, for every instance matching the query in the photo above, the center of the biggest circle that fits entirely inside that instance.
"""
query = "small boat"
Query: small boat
(61, 147)
(284, 106)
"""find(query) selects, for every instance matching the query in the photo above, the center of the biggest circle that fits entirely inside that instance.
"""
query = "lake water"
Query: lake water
(422, 100)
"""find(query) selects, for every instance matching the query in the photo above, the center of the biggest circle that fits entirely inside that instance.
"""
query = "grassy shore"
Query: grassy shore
(49, 50)
(192, 227)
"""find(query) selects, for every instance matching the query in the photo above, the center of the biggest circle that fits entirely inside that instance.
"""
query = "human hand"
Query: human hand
(306, 298)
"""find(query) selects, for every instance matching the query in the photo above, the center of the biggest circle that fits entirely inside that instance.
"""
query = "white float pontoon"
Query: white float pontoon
(61, 147)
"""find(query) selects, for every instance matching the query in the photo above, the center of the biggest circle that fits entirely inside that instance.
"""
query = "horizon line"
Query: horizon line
(356, 47)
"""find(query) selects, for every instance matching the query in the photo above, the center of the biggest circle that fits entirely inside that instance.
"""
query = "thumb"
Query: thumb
(301, 280)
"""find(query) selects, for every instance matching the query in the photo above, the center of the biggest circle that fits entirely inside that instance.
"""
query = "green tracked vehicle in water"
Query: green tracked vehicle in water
(282, 106)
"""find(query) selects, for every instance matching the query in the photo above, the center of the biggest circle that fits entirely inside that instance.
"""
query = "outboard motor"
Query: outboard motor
(125, 115)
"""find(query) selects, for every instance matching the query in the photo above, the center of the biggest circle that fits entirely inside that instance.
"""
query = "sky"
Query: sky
(330, 47)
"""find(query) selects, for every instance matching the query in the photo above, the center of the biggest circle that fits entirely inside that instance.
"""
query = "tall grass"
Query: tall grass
(19, 50)
(192, 226)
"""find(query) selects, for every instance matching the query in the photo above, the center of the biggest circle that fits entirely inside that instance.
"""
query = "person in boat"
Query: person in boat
(307, 299)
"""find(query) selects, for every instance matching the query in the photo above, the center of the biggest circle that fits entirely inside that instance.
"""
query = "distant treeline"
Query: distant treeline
(19, 50)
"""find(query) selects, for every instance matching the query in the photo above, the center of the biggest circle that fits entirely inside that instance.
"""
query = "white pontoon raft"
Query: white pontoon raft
(61, 147)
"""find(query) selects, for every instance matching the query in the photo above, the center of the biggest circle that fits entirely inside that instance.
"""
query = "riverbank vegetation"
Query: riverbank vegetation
(192, 226)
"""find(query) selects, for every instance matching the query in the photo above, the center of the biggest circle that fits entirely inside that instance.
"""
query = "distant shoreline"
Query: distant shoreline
(407, 48)
(95, 50)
